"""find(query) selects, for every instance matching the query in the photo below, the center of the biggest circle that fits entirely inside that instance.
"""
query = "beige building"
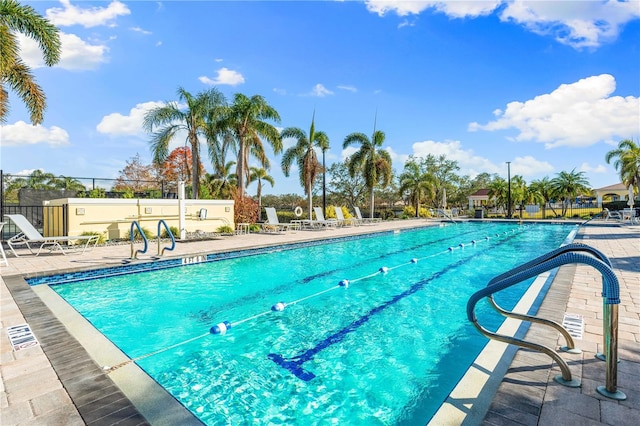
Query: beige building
(114, 217)
(617, 192)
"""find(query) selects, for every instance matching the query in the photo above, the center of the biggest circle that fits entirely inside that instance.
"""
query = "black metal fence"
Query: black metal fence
(44, 218)
(24, 194)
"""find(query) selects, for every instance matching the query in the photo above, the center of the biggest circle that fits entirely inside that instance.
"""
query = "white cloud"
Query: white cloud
(116, 124)
(470, 163)
(578, 115)
(320, 91)
(397, 160)
(351, 89)
(279, 91)
(21, 133)
(348, 152)
(140, 30)
(76, 54)
(96, 16)
(529, 167)
(587, 168)
(454, 9)
(576, 23)
(225, 76)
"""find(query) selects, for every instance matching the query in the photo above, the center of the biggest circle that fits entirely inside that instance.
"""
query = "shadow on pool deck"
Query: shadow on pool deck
(58, 383)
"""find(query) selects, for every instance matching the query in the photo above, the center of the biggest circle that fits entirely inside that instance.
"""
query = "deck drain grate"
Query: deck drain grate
(574, 323)
(21, 337)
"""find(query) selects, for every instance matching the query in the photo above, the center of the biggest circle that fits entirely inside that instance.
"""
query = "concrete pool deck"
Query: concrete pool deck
(57, 383)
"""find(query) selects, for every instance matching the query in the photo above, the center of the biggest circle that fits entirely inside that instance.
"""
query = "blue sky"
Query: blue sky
(546, 85)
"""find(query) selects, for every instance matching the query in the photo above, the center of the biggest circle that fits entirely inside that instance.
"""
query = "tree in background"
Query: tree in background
(222, 183)
(68, 183)
(247, 119)
(304, 154)
(370, 160)
(177, 167)
(14, 73)
(137, 177)
(627, 162)
(345, 189)
(518, 192)
(164, 122)
(498, 192)
(545, 191)
(415, 181)
(258, 174)
(442, 175)
(568, 185)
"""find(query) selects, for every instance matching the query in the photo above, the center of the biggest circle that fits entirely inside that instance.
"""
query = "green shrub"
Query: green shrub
(285, 216)
(254, 228)
(97, 193)
(225, 229)
(174, 231)
(101, 240)
(410, 211)
(136, 235)
(388, 214)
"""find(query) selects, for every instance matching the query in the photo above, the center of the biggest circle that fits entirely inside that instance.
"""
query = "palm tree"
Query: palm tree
(568, 185)
(372, 162)
(69, 183)
(304, 154)
(544, 188)
(165, 121)
(415, 181)
(246, 120)
(518, 192)
(627, 162)
(259, 174)
(16, 18)
(221, 183)
(498, 189)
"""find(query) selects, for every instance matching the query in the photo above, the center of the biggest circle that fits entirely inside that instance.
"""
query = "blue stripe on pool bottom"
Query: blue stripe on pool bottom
(295, 364)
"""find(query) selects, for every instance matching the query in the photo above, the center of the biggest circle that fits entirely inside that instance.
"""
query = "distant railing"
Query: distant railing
(44, 218)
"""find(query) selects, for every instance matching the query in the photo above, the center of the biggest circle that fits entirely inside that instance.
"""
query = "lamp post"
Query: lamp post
(508, 189)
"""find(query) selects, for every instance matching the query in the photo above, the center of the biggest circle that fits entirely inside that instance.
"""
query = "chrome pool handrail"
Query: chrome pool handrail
(134, 254)
(173, 240)
(611, 299)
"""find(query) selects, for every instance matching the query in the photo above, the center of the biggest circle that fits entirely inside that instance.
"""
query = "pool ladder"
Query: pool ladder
(569, 254)
(135, 225)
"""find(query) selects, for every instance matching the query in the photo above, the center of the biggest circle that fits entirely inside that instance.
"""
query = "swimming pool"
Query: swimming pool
(386, 349)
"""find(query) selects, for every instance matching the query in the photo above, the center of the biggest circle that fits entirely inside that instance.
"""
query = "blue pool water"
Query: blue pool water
(386, 349)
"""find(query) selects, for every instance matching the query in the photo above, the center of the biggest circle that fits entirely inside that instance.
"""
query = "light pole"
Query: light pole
(508, 189)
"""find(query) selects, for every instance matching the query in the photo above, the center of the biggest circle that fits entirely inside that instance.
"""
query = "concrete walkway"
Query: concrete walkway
(34, 390)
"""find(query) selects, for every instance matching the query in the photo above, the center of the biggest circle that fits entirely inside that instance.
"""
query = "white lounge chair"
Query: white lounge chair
(345, 222)
(615, 215)
(273, 223)
(321, 221)
(366, 220)
(30, 235)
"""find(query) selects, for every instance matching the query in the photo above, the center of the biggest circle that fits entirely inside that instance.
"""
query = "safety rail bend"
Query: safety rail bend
(169, 233)
(134, 253)
(569, 254)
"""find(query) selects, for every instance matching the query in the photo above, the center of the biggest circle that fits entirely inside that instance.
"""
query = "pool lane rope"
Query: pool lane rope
(223, 327)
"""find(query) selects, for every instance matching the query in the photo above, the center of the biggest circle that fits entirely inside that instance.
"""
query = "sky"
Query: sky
(548, 86)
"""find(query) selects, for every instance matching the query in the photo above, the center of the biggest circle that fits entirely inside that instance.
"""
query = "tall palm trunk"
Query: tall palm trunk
(195, 170)
(371, 214)
(310, 201)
